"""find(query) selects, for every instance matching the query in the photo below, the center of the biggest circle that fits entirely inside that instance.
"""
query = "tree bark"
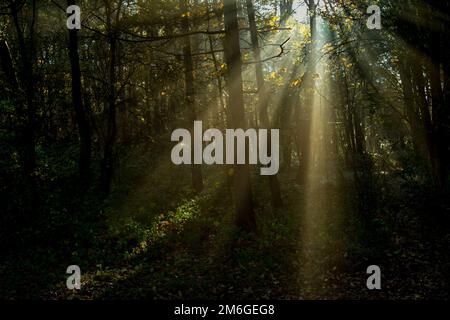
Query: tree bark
(80, 112)
(28, 142)
(263, 100)
(245, 215)
(26, 108)
(285, 10)
(196, 171)
(107, 164)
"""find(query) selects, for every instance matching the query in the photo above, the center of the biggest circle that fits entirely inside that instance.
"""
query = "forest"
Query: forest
(358, 176)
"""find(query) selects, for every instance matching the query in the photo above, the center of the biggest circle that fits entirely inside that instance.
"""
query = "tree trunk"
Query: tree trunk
(410, 107)
(80, 112)
(27, 116)
(220, 116)
(263, 101)
(437, 98)
(245, 215)
(196, 171)
(285, 10)
(107, 164)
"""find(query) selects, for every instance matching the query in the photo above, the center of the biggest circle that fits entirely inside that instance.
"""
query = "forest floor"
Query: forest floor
(154, 239)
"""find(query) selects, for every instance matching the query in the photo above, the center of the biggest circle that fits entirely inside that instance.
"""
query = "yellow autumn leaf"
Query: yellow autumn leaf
(295, 83)
(272, 75)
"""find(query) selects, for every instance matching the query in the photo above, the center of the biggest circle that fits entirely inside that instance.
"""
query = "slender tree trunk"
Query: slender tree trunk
(8, 67)
(107, 164)
(263, 99)
(221, 112)
(245, 215)
(80, 112)
(446, 105)
(437, 98)
(27, 107)
(196, 171)
(27, 77)
(410, 107)
(285, 10)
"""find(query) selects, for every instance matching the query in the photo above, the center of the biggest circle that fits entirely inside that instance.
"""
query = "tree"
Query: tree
(196, 171)
(26, 108)
(107, 164)
(77, 101)
(263, 101)
(245, 215)
(285, 10)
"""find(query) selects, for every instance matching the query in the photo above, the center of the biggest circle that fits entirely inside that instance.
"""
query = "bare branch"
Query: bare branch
(282, 51)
